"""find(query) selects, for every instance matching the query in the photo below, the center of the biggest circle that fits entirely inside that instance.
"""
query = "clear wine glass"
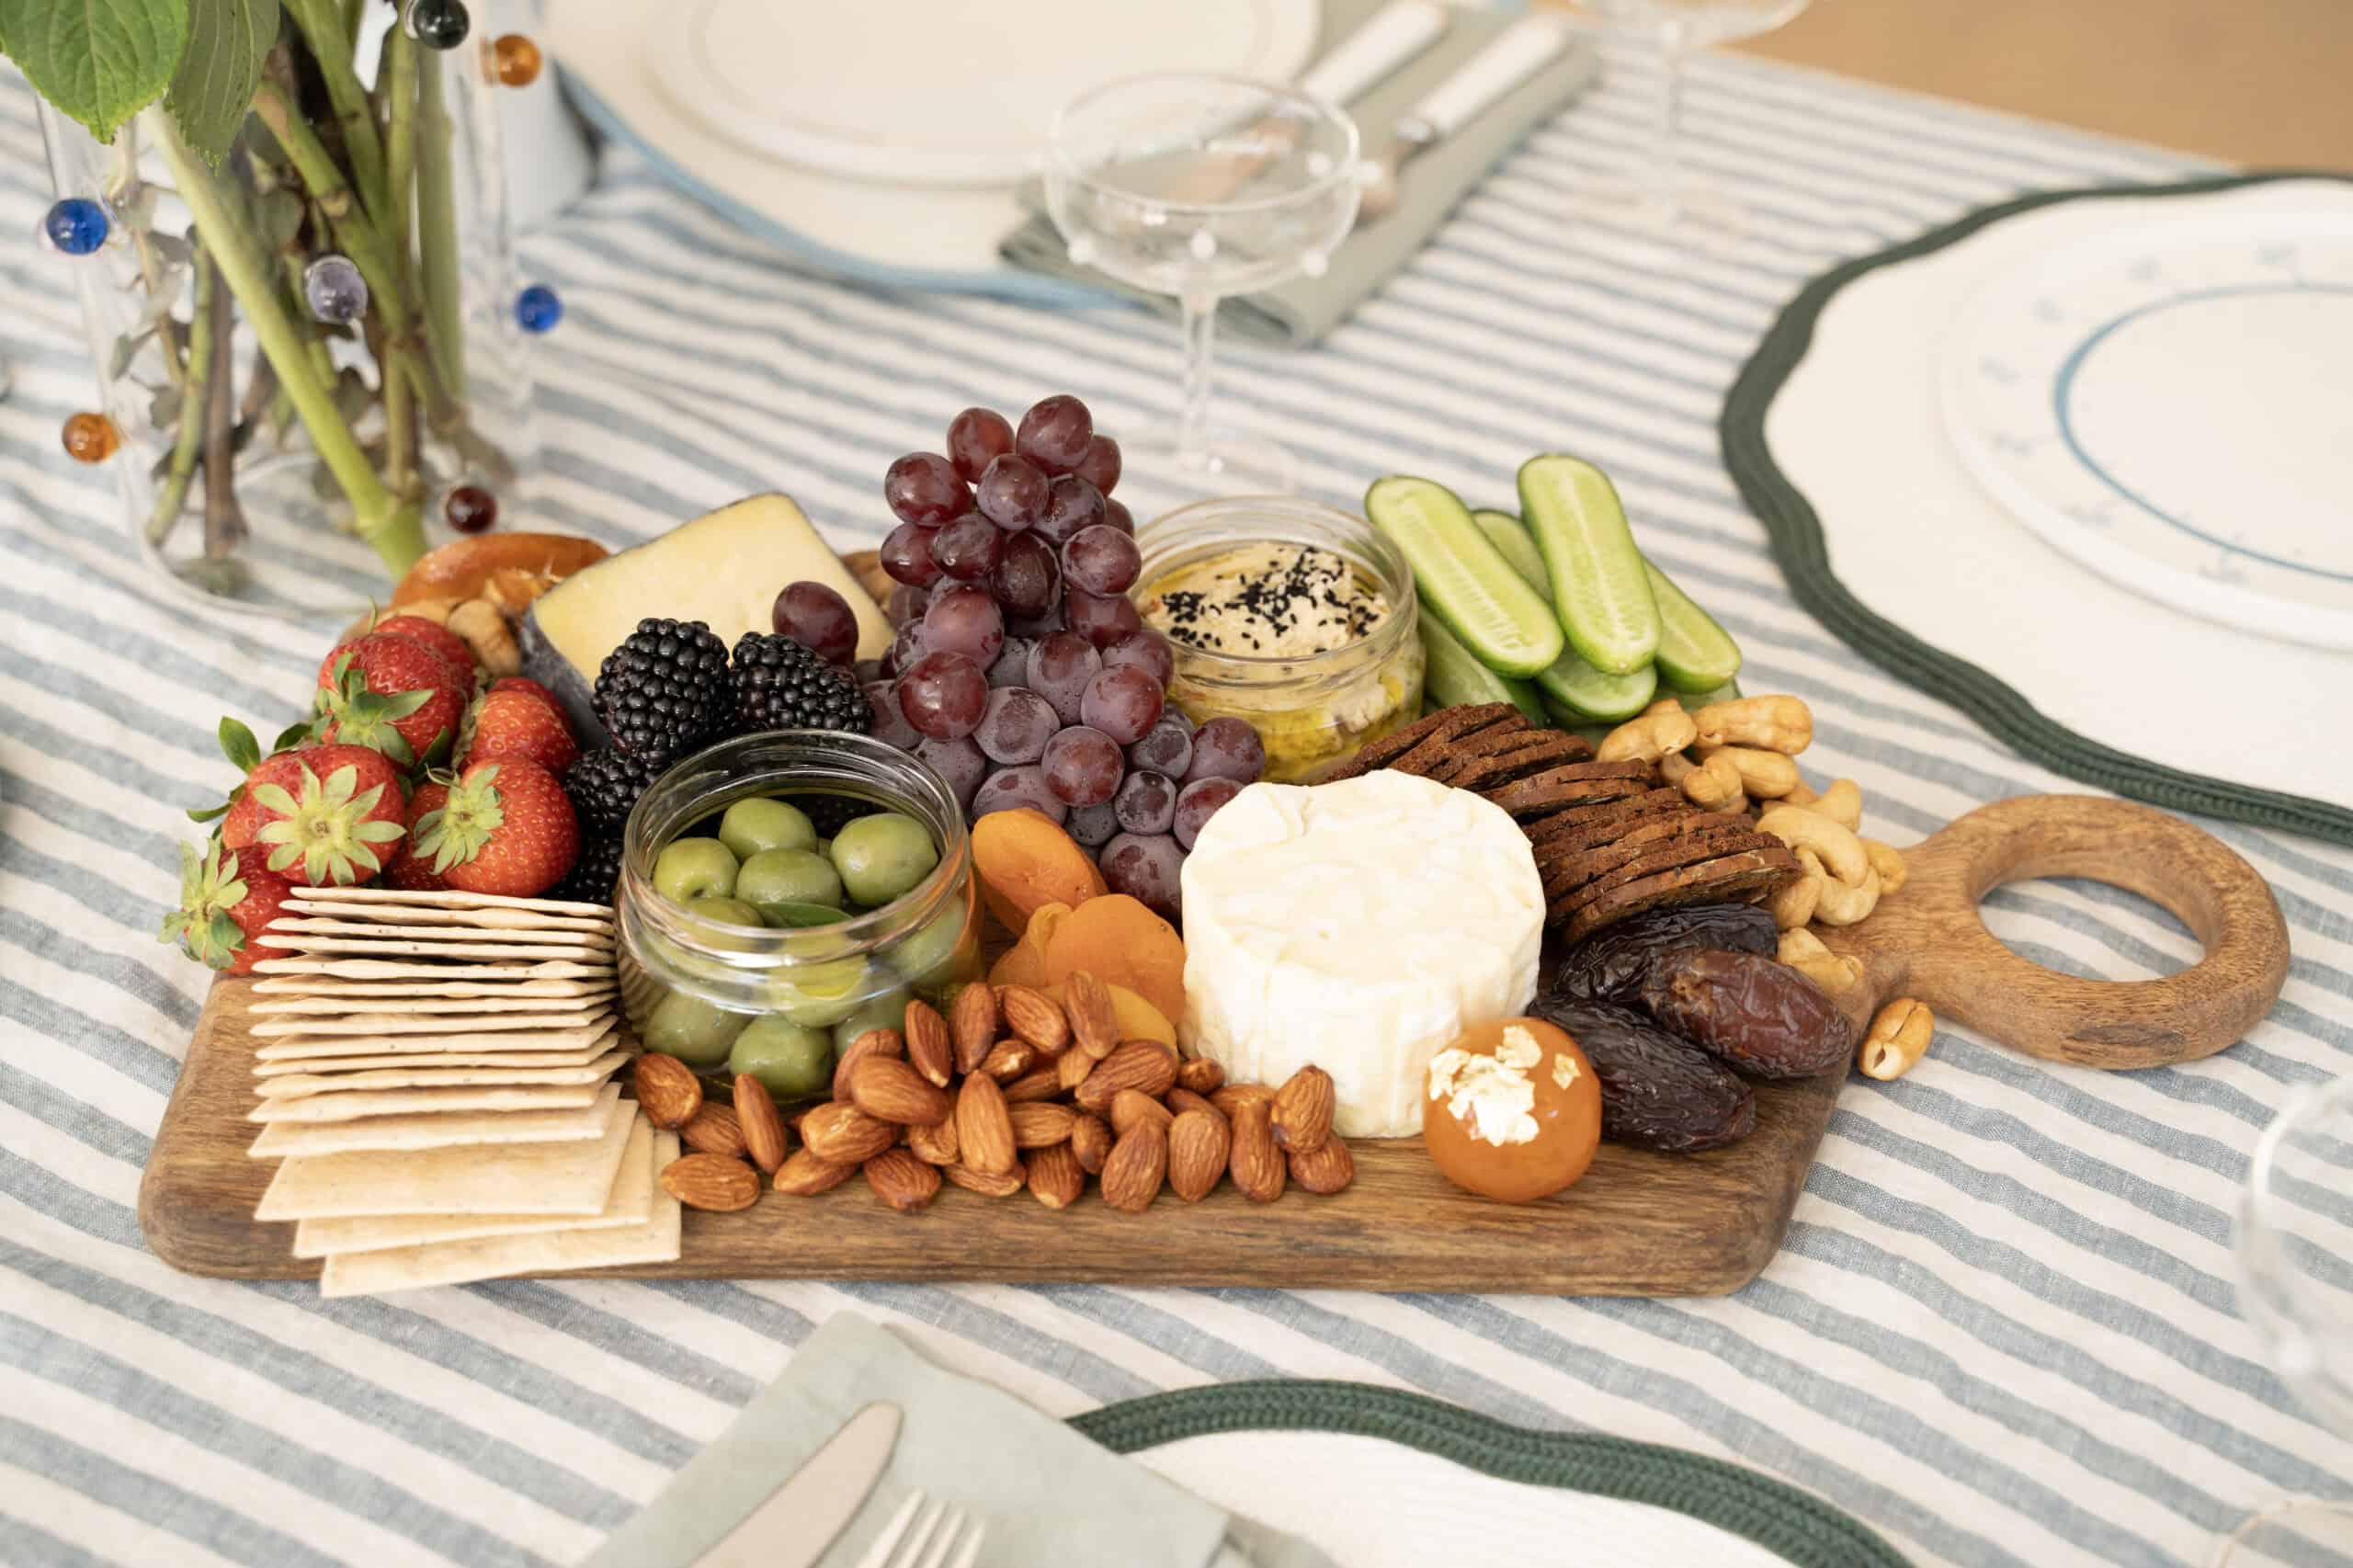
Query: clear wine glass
(2294, 1244)
(1201, 186)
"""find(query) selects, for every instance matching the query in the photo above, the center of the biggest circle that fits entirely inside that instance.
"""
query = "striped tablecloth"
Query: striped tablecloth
(2002, 1329)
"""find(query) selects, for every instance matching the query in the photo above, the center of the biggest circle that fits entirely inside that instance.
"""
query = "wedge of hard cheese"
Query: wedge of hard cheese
(724, 568)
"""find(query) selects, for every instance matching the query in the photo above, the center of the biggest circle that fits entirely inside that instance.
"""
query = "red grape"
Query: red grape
(1146, 802)
(1035, 626)
(1012, 788)
(977, 437)
(1148, 651)
(906, 601)
(1101, 466)
(907, 646)
(964, 620)
(1017, 725)
(924, 487)
(1072, 504)
(943, 695)
(968, 549)
(867, 671)
(1055, 433)
(1012, 492)
(1167, 747)
(1148, 869)
(905, 555)
(1061, 665)
(1027, 576)
(1012, 666)
(958, 762)
(1226, 748)
(1116, 516)
(1123, 703)
(891, 726)
(1083, 766)
(1100, 561)
(1198, 801)
(1101, 619)
(1093, 826)
(818, 619)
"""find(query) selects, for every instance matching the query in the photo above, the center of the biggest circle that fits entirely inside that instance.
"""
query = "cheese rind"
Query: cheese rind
(1361, 926)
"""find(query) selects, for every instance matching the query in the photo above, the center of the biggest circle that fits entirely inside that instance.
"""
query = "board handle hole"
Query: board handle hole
(2088, 928)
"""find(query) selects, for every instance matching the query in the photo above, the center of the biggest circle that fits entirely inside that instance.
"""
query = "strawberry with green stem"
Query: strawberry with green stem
(507, 827)
(324, 814)
(409, 870)
(515, 723)
(223, 905)
(434, 635)
(394, 694)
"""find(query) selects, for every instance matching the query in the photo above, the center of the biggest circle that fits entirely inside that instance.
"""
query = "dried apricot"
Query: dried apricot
(1121, 942)
(1025, 860)
(1138, 1018)
(1024, 964)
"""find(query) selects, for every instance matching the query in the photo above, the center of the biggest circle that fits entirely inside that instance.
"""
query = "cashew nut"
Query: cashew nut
(1711, 785)
(1899, 1037)
(1777, 723)
(1798, 946)
(487, 633)
(1850, 888)
(1794, 905)
(1767, 774)
(1844, 903)
(1800, 796)
(1648, 736)
(1887, 862)
(1842, 803)
(1803, 951)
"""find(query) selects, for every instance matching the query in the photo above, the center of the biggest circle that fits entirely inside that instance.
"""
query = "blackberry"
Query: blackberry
(831, 814)
(779, 685)
(593, 874)
(663, 690)
(603, 785)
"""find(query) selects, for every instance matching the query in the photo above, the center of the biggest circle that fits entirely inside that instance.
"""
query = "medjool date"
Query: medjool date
(1656, 1092)
(1759, 1014)
(1615, 964)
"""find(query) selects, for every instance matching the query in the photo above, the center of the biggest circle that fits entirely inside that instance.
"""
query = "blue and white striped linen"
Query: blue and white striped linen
(2002, 1331)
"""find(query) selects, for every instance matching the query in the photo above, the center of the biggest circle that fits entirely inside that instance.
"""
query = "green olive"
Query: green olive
(689, 869)
(752, 826)
(735, 911)
(788, 876)
(943, 948)
(822, 994)
(883, 857)
(888, 1011)
(695, 1031)
(794, 1061)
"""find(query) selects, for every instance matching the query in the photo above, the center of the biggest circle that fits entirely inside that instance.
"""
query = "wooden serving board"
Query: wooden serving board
(1638, 1224)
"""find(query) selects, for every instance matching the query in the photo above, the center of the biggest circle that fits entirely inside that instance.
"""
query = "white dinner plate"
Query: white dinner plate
(2172, 405)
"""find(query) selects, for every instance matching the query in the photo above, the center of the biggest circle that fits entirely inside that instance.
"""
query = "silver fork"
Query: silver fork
(934, 1537)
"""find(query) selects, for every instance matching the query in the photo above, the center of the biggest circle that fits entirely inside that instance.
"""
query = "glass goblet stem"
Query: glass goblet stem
(1198, 321)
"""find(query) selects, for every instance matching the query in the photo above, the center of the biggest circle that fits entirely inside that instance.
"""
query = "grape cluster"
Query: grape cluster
(1020, 670)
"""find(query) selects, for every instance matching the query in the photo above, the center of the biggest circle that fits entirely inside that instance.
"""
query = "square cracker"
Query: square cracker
(442, 1044)
(342, 1006)
(450, 898)
(573, 1177)
(428, 1023)
(398, 969)
(432, 937)
(424, 1102)
(629, 1203)
(502, 947)
(327, 988)
(330, 903)
(284, 1140)
(295, 1085)
(655, 1239)
(413, 1059)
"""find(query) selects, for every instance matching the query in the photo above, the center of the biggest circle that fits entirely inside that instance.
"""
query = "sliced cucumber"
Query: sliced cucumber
(1512, 542)
(1594, 694)
(1694, 653)
(1463, 580)
(1600, 585)
(1694, 700)
(1455, 679)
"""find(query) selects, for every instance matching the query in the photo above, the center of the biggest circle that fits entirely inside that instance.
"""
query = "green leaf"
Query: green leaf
(210, 813)
(164, 408)
(101, 61)
(786, 913)
(279, 216)
(294, 735)
(237, 743)
(126, 349)
(213, 88)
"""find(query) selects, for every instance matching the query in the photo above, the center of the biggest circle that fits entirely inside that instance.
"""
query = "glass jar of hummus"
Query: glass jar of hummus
(1289, 614)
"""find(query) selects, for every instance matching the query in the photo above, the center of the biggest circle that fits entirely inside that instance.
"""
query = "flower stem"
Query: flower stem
(224, 520)
(171, 497)
(436, 232)
(322, 27)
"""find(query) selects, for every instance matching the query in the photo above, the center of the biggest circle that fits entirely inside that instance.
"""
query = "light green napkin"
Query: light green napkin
(1297, 314)
(1048, 1495)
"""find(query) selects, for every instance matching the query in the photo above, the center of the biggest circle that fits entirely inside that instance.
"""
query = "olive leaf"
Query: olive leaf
(164, 408)
(126, 349)
(101, 61)
(214, 85)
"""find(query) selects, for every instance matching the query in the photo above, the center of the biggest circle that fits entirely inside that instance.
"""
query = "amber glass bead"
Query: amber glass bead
(471, 509)
(91, 438)
(516, 59)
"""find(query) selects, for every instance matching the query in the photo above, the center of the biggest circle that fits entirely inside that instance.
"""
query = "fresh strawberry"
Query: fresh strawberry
(507, 828)
(324, 814)
(409, 870)
(223, 906)
(440, 639)
(391, 693)
(524, 682)
(515, 723)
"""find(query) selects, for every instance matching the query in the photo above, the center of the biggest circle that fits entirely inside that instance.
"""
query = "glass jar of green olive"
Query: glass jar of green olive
(748, 943)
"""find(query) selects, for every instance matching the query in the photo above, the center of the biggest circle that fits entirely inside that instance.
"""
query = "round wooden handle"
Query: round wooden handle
(1929, 942)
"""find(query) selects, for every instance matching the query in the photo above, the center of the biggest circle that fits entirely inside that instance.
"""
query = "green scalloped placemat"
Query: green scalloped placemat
(1798, 545)
(1779, 1517)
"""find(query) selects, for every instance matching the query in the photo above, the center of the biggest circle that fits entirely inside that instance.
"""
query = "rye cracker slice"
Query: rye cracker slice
(297, 1086)
(415, 1061)
(1541, 795)
(1742, 877)
(1614, 844)
(1660, 847)
(392, 1044)
(1574, 822)
(433, 936)
(571, 1178)
(326, 989)
(1439, 747)
(1464, 720)
(1688, 849)
(427, 1102)
(655, 1239)
(629, 1203)
(535, 968)
(1497, 740)
(450, 898)
(448, 1006)
(426, 1023)
(428, 1129)
(330, 903)
(1540, 755)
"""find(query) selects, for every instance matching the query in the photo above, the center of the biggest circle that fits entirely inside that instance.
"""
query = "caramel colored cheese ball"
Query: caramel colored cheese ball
(1513, 1112)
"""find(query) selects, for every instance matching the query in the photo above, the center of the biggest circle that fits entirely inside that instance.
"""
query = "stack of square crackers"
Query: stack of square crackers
(435, 1070)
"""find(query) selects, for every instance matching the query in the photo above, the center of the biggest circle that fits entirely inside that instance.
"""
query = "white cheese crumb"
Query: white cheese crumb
(1564, 1070)
(1493, 1095)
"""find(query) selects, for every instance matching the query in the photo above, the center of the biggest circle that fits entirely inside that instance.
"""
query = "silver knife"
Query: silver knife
(804, 1516)
(1518, 52)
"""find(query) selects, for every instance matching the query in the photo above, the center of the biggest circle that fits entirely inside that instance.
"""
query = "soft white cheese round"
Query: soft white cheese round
(1361, 926)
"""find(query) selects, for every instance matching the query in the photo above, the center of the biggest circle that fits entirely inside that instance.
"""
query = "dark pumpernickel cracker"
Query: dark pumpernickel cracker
(1441, 751)
(1565, 871)
(1544, 793)
(1576, 822)
(1548, 750)
(1585, 878)
(1461, 720)
(1742, 877)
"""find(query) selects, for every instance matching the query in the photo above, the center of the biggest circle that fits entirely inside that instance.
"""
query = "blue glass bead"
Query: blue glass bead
(333, 289)
(538, 309)
(77, 226)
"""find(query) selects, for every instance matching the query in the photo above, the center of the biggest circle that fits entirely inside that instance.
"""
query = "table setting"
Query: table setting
(1351, 782)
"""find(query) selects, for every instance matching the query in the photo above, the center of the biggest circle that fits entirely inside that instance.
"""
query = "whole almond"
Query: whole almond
(1201, 1075)
(1007, 1060)
(805, 1175)
(1326, 1168)
(1055, 1176)
(988, 1186)
(1144, 1064)
(763, 1129)
(1037, 1126)
(973, 1026)
(713, 1129)
(711, 1182)
(873, 1042)
(1035, 1017)
(890, 1090)
(928, 1046)
(1038, 1083)
(934, 1145)
(845, 1135)
(1197, 1147)
(1072, 1068)
(1133, 1171)
(983, 1126)
(1303, 1112)
(667, 1090)
(1094, 1022)
(1255, 1164)
(1090, 1141)
(901, 1180)
(1229, 1097)
(1132, 1106)
(1181, 1099)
